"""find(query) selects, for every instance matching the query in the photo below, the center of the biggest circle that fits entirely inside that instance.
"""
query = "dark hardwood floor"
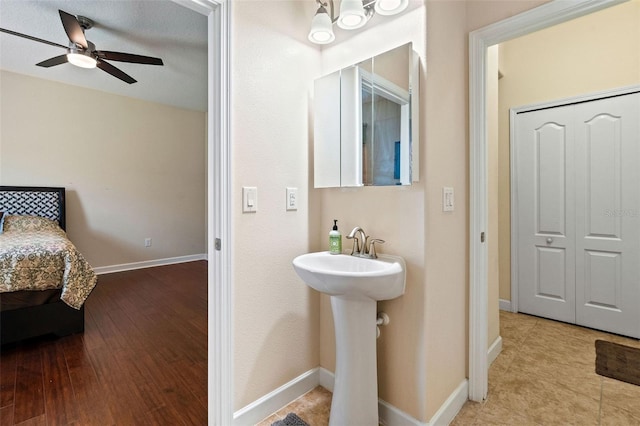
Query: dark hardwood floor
(142, 359)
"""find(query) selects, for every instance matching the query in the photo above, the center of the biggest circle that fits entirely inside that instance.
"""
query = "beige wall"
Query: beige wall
(481, 13)
(446, 164)
(276, 316)
(593, 53)
(132, 169)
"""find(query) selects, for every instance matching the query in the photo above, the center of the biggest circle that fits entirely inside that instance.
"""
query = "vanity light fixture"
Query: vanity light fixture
(354, 14)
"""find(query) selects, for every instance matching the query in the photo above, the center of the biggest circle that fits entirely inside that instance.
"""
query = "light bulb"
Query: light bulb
(352, 21)
(390, 7)
(321, 37)
(321, 28)
(82, 61)
(352, 15)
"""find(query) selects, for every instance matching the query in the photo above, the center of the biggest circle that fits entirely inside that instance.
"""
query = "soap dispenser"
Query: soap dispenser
(335, 239)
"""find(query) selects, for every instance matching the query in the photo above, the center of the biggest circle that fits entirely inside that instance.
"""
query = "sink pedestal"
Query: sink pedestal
(355, 284)
(355, 391)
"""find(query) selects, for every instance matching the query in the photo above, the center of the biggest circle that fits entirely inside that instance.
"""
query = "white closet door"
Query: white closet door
(544, 155)
(608, 214)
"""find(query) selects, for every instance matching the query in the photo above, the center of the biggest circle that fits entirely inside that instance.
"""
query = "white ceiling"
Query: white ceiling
(158, 28)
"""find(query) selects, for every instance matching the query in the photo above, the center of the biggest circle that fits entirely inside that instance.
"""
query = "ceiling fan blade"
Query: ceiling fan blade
(128, 57)
(28, 37)
(108, 68)
(73, 29)
(58, 60)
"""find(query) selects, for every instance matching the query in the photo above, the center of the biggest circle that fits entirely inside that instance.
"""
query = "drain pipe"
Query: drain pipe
(382, 319)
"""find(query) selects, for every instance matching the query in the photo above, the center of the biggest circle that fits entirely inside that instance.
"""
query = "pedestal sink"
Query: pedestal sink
(355, 284)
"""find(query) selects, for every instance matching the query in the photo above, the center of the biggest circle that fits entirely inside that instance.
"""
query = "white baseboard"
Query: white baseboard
(494, 350)
(505, 305)
(148, 264)
(326, 379)
(392, 416)
(388, 415)
(452, 406)
(275, 400)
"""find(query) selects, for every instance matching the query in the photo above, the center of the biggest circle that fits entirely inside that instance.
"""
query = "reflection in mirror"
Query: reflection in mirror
(388, 157)
(375, 126)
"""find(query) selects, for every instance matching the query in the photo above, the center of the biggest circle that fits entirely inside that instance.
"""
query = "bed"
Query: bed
(44, 280)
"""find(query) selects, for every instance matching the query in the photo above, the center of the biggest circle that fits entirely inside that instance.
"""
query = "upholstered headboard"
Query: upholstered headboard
(46, 202)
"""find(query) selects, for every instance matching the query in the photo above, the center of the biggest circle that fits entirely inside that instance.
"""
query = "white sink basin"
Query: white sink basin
(343, 275)
(355, 284)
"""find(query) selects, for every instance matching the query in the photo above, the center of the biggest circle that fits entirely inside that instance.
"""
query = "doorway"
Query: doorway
(544, 16)
(220, 368)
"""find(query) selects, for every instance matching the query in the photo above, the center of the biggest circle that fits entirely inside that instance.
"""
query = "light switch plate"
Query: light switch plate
(447, 199)
(292, 199)
(249, 199)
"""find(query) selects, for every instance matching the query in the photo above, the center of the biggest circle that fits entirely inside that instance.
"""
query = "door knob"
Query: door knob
(549, 240)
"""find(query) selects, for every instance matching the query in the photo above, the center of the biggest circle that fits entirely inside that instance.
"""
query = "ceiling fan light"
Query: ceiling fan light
(82, 61)
(390, 7)
(321, 28)
(352, 15)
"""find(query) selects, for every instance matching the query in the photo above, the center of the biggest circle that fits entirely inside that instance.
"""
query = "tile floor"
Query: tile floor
(545, 375)
(312, 407)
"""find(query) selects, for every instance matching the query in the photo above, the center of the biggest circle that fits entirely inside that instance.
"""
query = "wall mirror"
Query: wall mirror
(366, 122)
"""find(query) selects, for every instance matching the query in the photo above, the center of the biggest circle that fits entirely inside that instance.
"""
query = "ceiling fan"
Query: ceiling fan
(83, 53)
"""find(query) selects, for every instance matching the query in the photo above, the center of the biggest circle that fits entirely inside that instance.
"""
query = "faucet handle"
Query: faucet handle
(372, 247)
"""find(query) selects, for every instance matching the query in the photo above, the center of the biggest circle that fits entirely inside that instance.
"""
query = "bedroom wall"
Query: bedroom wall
(276, 319)
(132, 169)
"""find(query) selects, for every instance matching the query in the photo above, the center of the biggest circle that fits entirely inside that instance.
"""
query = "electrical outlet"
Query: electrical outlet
(147, 242)
(292, 198)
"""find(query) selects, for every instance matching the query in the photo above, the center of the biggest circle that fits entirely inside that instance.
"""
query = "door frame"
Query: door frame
(220, 289)
(549, 14)
(219, 233)
(513, 112)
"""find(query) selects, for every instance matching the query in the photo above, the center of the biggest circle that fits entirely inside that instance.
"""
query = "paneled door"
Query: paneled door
(544, 147)
(608, 214)
(578, 206)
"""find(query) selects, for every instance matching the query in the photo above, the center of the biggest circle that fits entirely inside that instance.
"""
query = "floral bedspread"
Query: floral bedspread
(35, 254)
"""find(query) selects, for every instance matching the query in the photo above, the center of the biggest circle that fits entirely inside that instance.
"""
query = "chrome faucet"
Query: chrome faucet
(360, 247)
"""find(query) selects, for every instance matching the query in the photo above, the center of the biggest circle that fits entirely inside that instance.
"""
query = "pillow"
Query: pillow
(29, 223)
(2, 215)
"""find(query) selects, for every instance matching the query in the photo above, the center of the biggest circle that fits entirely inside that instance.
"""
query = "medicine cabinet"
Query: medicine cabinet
(366, 122)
